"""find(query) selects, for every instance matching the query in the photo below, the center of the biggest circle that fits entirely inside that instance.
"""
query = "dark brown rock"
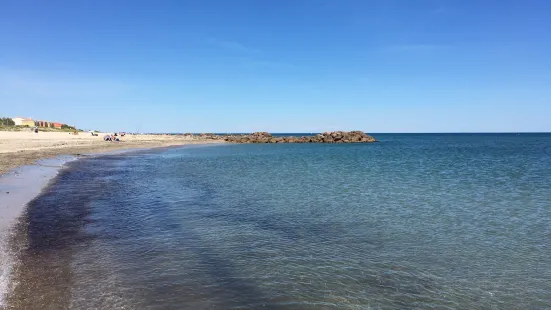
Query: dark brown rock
(326, 137)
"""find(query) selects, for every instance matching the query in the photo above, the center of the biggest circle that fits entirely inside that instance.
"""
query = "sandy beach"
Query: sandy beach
(24, 147)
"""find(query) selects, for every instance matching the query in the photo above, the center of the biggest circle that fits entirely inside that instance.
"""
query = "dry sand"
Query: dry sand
(24, 147)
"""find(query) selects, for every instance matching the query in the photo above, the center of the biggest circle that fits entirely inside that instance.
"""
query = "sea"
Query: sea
(415, 221)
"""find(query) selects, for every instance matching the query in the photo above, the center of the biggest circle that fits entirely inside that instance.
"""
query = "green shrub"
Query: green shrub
(6, 121)
(65, 126)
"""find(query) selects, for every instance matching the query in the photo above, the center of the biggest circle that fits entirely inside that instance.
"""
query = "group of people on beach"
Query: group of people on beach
(113, 138)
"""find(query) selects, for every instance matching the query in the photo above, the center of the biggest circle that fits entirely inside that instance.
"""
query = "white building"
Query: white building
(23, 121)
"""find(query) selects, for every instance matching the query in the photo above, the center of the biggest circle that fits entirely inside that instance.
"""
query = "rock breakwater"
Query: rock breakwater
(326, 137)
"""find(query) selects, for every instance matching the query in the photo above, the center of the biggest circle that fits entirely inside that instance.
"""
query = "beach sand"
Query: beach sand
(25, 147)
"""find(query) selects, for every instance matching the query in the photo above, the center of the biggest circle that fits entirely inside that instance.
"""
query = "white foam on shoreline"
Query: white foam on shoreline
(17, 189)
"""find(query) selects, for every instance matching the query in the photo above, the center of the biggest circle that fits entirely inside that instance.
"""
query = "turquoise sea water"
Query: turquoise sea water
(433, 221)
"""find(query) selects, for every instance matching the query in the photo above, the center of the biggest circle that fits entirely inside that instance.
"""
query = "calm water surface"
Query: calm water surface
(413, 222)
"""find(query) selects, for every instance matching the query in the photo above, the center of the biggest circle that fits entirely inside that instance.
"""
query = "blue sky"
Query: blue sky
(280, 66)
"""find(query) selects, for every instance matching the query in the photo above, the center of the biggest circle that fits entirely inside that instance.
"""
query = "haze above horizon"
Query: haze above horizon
(279, 66)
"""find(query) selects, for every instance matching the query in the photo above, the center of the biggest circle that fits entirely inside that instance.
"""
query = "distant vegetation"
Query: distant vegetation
(6, 121)
(68, 127)
(13, 127)
(7, 124)
(40, 129)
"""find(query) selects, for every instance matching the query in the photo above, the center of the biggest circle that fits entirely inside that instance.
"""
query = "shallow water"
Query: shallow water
(413, 222)
(17, 188)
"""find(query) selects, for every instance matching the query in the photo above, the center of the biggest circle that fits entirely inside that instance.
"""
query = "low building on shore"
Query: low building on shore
(42, 124)
(23, 121)
(47, 124)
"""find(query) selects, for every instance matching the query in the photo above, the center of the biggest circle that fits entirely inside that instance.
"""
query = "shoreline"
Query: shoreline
(25, 148)
(17, 189)
(29, 176)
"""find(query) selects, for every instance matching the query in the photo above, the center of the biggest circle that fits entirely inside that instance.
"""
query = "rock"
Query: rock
(326, 137)
(209, 136)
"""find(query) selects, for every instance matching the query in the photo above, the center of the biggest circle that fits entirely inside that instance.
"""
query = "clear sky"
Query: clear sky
(279, 65)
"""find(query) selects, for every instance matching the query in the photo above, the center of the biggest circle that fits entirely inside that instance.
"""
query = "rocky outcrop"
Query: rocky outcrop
(209, 136)
(326, 137)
